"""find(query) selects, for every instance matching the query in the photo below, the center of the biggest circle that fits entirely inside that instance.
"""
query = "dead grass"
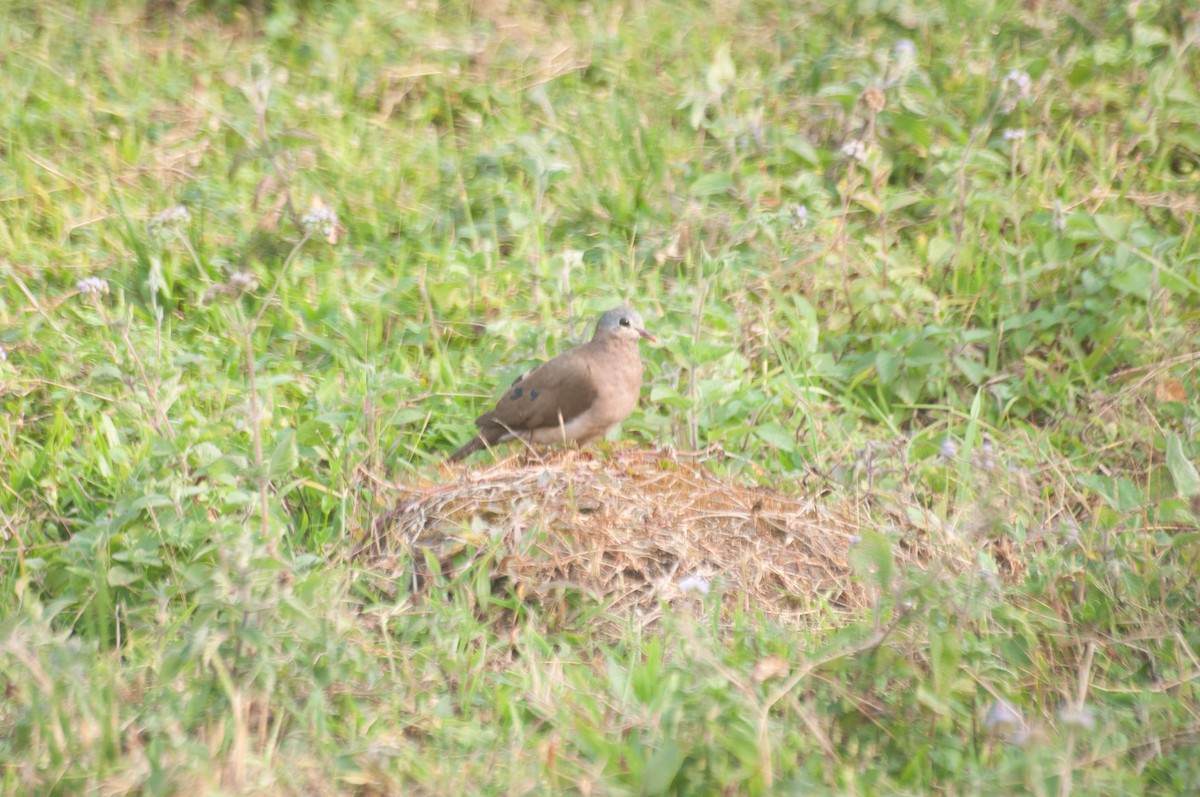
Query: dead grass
(626, 529)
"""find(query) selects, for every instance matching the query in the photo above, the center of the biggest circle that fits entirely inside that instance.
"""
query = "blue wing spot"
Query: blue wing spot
(516, 394)
(532, 395)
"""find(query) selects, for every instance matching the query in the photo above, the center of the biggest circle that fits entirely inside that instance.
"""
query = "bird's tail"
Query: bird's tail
(489, 433)
(474, 444)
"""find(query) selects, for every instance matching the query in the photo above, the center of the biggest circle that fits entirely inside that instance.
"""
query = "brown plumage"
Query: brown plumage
(578, 396)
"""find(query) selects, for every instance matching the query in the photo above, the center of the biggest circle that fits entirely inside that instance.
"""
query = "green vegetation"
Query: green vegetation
(934, 262)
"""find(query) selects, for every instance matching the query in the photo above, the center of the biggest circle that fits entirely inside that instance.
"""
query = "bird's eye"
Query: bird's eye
(624, 322)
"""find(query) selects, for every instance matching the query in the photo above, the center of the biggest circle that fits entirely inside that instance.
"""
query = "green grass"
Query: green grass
(982, 340)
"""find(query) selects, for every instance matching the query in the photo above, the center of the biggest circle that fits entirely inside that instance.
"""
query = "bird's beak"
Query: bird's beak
(647, 336)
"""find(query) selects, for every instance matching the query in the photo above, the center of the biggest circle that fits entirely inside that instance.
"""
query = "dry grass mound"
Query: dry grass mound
(632, 529)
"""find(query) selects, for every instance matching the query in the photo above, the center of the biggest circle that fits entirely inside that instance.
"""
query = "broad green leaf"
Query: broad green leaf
(806, 325)
(721, 72)
(887, 366)
(775, 435)
(944, 654)
(1176, 510)
(1119, 493)
(284, 457)
(712, 184)
(121, 576)
(1177, 283)
(1111, 227)
(1183, 472)
(940, 250)
(1149, 35)
(901, 200)
(872, 559)
(1134, 279)
(973, 370)
(665, 394)
(662, 768)
(933, 702)
(802, 147)
(150, 500)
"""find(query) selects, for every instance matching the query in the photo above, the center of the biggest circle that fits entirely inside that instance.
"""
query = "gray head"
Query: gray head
(622, 322)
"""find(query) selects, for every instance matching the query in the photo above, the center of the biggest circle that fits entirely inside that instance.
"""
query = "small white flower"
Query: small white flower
(1001, 714)
(855, 540)
(92, 285)
(3, 354)
(856, 150)
(987, 455)
(800, 213)
(905, 50)
(949, 448)
(1016, 86)
(1021, 736)
(1021, 80)
(1004, 719)
(1080, 717)
(320, 219)
(572, 259)
(989, 579)
(173, 217)
(694, 583)
(1059, 221)
(1015, 134)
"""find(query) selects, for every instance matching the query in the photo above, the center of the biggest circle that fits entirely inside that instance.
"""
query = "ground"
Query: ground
(909, 502)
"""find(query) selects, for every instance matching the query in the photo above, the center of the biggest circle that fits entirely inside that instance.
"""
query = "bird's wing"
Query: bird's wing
(564, 386)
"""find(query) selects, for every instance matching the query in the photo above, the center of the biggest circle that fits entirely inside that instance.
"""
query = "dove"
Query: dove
(575, 397)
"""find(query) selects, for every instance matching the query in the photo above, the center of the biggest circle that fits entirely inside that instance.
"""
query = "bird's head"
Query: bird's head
(622, 322)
